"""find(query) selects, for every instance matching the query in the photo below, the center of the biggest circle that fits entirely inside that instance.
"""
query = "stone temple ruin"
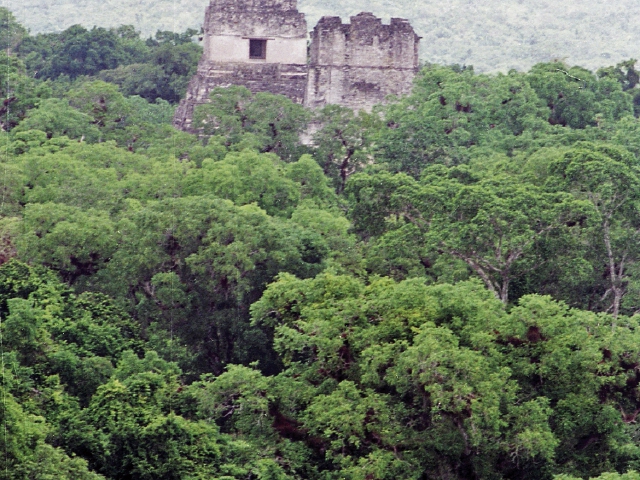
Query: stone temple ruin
(262, 45)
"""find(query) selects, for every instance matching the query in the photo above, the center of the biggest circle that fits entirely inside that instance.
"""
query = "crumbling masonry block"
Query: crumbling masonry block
(358, 65)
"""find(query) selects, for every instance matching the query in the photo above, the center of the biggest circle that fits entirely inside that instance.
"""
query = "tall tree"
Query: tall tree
(494, 226)
(341, 143)
(607, 177)
(266, 122)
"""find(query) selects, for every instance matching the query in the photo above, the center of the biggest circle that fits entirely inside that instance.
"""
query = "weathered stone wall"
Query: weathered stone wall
(255, 17)
(229, 26)
(358, 65)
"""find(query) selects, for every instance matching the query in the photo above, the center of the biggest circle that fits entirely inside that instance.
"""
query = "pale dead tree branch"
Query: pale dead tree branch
(480, 272)
(621, 268)
(616, 286)
(418, 221)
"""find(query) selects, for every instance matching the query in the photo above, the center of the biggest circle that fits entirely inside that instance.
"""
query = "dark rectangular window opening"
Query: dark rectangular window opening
(257, 49)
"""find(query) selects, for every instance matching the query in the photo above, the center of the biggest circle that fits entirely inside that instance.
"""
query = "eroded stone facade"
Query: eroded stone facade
(262, 45)
(359, 64)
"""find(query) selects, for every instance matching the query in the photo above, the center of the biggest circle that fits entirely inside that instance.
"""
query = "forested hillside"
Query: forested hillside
(447, 288)
(491, 35)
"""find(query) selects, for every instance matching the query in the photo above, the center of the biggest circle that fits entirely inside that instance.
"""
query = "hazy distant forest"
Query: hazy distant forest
(491, 35)
(447, 288)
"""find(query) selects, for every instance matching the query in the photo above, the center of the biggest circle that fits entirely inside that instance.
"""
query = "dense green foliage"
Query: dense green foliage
(445, 288)
(158, 67)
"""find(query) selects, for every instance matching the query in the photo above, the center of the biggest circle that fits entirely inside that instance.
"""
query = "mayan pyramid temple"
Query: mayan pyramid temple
(263, 45)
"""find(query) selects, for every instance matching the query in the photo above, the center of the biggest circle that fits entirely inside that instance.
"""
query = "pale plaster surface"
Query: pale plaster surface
(235, 49)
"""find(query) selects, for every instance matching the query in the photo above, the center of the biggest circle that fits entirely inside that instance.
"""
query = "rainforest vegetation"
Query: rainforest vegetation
(445, 288)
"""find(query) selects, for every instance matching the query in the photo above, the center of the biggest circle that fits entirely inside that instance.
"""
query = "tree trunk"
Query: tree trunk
(501, 293)
(615, 278)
